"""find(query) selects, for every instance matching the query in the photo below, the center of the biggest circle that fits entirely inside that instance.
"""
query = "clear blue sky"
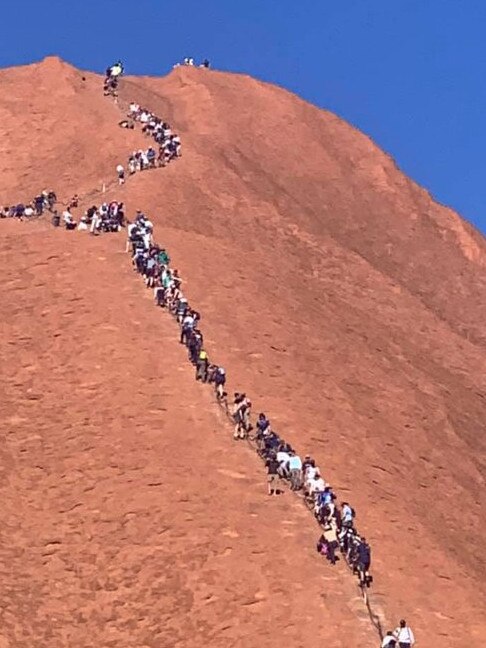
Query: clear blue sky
(410, 73)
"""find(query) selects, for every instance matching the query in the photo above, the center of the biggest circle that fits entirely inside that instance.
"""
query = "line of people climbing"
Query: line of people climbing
(168, 143)
(282, 461)
(283, 464)
(44, 201)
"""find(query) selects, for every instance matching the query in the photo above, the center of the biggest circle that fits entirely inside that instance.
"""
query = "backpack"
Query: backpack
(322, 548)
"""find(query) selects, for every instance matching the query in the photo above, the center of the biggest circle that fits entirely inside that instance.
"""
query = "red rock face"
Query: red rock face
(336, 293)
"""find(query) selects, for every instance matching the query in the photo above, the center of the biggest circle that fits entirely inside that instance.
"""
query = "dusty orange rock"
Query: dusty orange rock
(334, 290)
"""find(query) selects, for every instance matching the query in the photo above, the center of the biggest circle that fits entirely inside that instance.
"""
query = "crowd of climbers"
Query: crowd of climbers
(108, 217)
(188, 60)
(339, 536)
(282, 462)
(168, 144)
(45, 201)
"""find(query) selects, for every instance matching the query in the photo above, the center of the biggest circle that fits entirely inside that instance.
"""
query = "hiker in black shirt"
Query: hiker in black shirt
(272, 466)
(363, 562)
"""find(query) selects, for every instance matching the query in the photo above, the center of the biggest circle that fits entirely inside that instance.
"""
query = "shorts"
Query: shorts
(272, 479)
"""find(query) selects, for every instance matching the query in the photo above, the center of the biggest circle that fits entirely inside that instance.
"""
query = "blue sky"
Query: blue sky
(409, 73)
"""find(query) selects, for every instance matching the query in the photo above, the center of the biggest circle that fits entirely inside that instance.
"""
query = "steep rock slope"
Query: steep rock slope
(336, 292)
(128, 516)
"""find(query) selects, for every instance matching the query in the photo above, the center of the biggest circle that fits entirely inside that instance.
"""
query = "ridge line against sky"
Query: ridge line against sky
(408, 74)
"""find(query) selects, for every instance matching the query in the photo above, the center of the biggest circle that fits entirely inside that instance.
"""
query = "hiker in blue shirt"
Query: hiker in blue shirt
(295, 470)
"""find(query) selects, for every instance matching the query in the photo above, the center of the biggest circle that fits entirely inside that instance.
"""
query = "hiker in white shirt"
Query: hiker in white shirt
(95, 223)
(317, 485)
(143, 160)
(187, 328)
(404, 635)
(121, 174)
(68, 219)
(310, 475)
(389, 640)
(283, 460)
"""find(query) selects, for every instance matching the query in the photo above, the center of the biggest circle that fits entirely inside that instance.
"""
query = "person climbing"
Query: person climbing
(404, 635)
(364, 562)
(272, 474)
(164, 258)
(347, 515)
(51, 199)
(202, 366)
(316, 485)
(238, 415)
(39, 205)
(115, 70)
(187, 328)
(262, 425)
(295, 470)
(68, 219)
(241, 416)
(74, 202)
(182, 308)
(120, 170)
(330, 536)
(219, 382)
(283, 459)
(389, 640)
(29, 211)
